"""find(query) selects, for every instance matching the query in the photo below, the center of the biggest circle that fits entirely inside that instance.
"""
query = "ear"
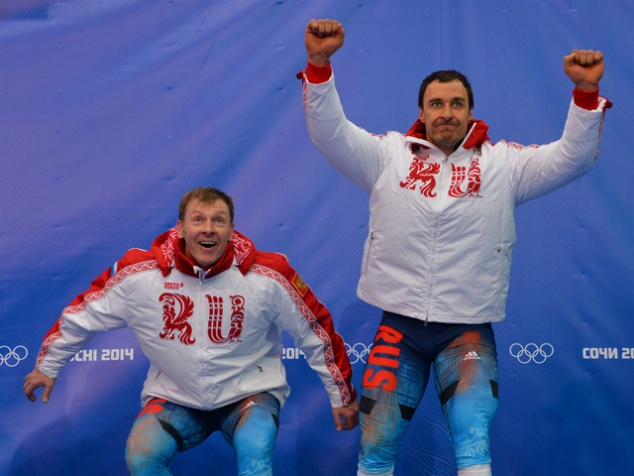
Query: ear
(231, 233)
(470, 115)
(179, 229)
(421, 114)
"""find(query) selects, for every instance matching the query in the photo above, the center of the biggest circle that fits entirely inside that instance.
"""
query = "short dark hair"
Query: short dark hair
(445, 76)
(206, 195)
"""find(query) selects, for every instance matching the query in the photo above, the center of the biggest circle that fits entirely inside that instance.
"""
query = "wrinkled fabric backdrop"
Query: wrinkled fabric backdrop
(110, 110)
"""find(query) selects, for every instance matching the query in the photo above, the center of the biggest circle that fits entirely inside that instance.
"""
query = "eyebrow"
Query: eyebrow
(196, 213)
(455, 98)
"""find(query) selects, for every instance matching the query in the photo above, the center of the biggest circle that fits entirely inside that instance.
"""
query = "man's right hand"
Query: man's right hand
(38, 379)
(322, 39)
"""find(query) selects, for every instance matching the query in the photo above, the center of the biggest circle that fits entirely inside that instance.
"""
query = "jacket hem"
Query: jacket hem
(440, 319)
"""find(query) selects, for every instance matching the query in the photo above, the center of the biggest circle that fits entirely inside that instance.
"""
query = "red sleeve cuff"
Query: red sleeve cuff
(588, 100)
(318, 74)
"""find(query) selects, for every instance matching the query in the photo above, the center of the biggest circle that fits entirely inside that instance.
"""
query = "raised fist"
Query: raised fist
(584, 68)
(322, 39)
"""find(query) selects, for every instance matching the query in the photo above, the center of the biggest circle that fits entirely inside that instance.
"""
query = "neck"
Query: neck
(185, 263)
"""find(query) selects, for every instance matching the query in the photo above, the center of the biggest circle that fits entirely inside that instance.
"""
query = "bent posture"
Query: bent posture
(438, 253)
(208, 310)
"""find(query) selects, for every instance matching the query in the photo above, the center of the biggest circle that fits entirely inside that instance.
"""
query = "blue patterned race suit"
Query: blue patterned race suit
(464, 362)
(164, 429)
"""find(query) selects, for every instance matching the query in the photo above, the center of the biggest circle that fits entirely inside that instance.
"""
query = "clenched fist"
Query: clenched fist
(584, 68)
(322, 39)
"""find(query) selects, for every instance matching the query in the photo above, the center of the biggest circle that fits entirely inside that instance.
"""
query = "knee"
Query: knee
(469, 424)
(476, 409)
(253, 444)
(138, 462)
(144, 460)
(255, 454)
(149, 450)
(383, 424)
(256, 440)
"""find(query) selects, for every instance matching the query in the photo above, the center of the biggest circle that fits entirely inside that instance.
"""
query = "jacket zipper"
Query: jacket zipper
(202, 324)
(201, 276)
(432, 257)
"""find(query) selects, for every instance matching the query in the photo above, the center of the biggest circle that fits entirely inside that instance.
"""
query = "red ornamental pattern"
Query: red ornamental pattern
(45, 345)
(216, 312)
(423, 172)
(241, 248)
(176, 310)
(167, 248)
(458, 176)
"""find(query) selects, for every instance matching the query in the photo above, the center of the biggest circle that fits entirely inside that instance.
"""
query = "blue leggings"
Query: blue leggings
(465, 373)
(164, 429)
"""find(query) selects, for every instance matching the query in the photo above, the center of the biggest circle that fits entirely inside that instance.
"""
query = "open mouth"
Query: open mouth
(207, 244)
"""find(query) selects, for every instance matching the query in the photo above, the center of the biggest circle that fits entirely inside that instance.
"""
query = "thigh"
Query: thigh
(188, 427)
(160, 431)
(466, 376)
(251, 426)
(394, 381)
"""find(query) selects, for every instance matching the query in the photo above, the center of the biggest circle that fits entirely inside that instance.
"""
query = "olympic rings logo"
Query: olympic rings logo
(358, 351)
(12, 357)
(531, 352)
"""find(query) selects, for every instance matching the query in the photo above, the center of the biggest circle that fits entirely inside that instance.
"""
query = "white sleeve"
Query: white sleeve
(310, 325)
(97, 310)
(537, 170)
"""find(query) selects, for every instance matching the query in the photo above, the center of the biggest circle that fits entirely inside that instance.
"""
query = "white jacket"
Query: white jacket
(442, 229)
(211, 339)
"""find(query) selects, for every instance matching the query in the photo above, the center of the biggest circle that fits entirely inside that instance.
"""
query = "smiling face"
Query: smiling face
(206, 229)
(446, 114)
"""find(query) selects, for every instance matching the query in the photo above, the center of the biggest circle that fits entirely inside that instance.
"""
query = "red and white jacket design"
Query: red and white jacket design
(442, 228)
(213, 337)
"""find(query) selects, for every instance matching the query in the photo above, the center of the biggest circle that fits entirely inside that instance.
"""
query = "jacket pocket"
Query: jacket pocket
(504, 263)
(366, 253)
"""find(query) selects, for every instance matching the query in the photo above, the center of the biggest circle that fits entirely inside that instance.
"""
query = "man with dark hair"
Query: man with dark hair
(445, 76)
(208, 310)
(438, 253)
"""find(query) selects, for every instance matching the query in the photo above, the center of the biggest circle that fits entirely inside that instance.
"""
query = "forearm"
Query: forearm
(325, 353)
(579, 145)
(580, 139)
(61, 343)
(310, 325)
(540, 170)
(334, 373)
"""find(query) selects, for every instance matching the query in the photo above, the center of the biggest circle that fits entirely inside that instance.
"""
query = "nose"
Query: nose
(207, 227)
(447, 113)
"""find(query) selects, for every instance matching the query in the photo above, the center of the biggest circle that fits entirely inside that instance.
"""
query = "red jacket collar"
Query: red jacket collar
(169, 252)
(476, 136)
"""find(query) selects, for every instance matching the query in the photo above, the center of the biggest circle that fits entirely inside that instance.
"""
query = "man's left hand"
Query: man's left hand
(584, 68)
(346, 418)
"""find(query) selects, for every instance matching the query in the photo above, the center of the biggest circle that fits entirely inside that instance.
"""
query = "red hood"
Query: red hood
(474, 139)
(169, 252)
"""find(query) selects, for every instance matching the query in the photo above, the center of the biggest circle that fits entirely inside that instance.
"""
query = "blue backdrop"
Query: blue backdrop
(111, 110)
